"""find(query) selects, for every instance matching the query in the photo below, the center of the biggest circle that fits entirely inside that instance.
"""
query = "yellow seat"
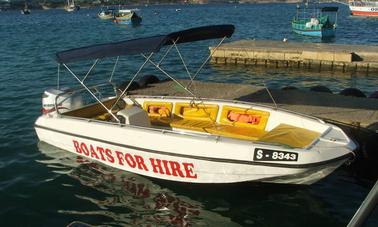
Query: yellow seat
(260, 117)
(205, 112)
(189, 124)
(291, 136)
(158, 112)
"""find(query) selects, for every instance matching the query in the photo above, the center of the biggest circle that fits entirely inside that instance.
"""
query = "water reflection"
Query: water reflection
(122, 198)
(125, 198)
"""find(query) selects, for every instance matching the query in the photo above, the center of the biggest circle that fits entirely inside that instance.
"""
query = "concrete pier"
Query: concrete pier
(319, 56)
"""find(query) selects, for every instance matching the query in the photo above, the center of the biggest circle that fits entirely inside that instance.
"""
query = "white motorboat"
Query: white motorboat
(192, 139)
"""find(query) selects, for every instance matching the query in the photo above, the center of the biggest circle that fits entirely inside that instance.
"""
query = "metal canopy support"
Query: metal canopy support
(90, 92)
(114, 67)
(203, 64)
(132, 80)
(90, 69)
(367, 206)
(167, 74)
(58, 82)
(182, 59)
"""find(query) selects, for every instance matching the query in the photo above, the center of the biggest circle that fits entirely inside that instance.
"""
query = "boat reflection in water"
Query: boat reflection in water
(108, 196)
(128, 199)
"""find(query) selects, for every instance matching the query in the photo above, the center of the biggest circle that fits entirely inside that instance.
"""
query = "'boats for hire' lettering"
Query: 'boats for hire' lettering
(159, 166)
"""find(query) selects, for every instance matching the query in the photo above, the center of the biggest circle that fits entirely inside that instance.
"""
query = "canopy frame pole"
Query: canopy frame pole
(90, 69)
(171, 77)
(165, 54)
(182, 59)
(132, 80)
(114, 67)
(90, 92)
(271, 96)
(203, 64)
(58, 79)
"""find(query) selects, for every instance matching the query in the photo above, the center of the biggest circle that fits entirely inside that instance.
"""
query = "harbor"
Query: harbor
(218, 148)
(287, 54)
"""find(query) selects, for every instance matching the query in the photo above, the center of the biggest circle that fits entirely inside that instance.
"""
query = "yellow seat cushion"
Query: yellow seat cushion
(205, 112)
(260, 118)
(159, 112)
(291, 136)
(236, 132)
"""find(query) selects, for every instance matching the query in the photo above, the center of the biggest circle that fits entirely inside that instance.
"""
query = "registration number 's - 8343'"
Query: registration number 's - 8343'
(274, 155)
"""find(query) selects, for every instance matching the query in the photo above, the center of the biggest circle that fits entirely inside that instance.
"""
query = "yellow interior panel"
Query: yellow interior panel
(236, 132)
(196, 125)
(291, 136)
(260, 117)
(159, 112)
(158, 109)
(196, 111)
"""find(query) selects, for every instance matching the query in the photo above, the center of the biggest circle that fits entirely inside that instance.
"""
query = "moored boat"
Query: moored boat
(70, 7)
(312, 20)
(186, 139)
(25, 10)
(364, 8)
(106, 13)
(127, 16)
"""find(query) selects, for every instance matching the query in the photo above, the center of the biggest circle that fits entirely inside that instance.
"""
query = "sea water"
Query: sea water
(44, 186)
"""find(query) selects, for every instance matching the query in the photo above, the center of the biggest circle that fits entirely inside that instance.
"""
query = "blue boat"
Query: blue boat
(312, 20)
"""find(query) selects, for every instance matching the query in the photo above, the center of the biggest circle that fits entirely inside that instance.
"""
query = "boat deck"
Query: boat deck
(204, 119)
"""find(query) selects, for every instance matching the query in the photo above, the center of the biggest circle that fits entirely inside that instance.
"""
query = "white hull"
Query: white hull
(191, 157)
(371, 11)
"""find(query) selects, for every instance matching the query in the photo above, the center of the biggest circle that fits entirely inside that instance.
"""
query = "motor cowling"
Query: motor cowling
(65, 101)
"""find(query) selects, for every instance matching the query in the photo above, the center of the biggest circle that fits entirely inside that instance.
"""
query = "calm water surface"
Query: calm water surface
(44, 186)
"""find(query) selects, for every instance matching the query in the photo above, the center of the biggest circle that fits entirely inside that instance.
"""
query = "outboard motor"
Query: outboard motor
(65, 102)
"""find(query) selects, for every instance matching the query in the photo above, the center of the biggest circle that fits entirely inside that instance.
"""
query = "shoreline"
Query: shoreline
(39, 6)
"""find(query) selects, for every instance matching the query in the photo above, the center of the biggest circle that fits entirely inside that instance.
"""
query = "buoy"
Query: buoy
(352, 92)
(148, 79)
(374, 95)
(133, 86)
(320, 88)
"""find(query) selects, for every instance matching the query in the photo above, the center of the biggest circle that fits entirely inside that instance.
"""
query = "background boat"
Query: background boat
(127, 16)
(364, 8)
(106, 13)
(70, 7)
(313, 20)
(26, 9)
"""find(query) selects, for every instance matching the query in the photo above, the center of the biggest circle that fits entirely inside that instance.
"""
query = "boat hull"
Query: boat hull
(368, 11)
(179, 157)
(322, 33)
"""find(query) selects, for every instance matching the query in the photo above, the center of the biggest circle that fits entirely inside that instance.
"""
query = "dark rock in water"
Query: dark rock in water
(373, 127)
(320, 88)
(134, 85)
(374, 95)
(289, 88)
(364, 165)
(352, 92)
(148, 79)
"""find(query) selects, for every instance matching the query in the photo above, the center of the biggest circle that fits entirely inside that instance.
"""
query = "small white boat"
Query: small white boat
(70, 7)
(191, 139)
(106, 13)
